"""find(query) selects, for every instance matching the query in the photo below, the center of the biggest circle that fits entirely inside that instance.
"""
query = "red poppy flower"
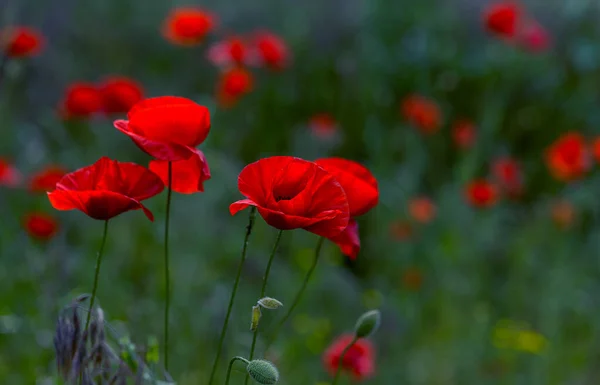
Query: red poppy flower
(40, 226)
(9, 175)
(596, 149)
(106, 189)
(507, 173)
(463, 134)
(292, 193)
(359, 360)
(323, 125)
(502, 19)
(480, 193)
(423, 113)
(568, 158)
(535, 38)
(167, 127)
(233, 84)
(82, 100)
(563, 214)
(422, 209)
(19, 42)
(188, 26)
(187, 176)
(412, 278)
(231, 52)
(119, 94)
(46, 179)
(272, 51)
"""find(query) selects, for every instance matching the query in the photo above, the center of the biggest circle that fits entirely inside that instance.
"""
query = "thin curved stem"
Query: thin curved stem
(233, 292)
(167, 273)
(234, 359)
(300, 293)
(97, 274)
(262, 293)
(339, 368)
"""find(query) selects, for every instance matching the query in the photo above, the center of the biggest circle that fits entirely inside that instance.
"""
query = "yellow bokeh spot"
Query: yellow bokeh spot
(372, 299)
(303, 324)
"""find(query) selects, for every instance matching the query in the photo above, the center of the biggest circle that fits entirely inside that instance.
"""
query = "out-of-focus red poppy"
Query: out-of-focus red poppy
(563, 213)
(230, 52)
(46, 179)
(82, 100)
(401, 230)
(19, 42)
(359, 360)
(119, 94)
(167, 127)
(40, 226)
(508, 175)
(502, 19)
(464, 134)
(423, 113)
(9, 175)
(412, 278)
(188, 26)
(292, 193)
(535, 38)
(596, 149)
(362, 192)
(422, 209)
(481, 193)
(272, 51)
(188, 176)
(106, 189)
(232, 85)
(568, 157)
(323, 125)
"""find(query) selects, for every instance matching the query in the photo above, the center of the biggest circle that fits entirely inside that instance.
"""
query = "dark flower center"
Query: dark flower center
(283, 198)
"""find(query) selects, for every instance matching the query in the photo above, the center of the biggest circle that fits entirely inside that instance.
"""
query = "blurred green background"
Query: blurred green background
(481, 270)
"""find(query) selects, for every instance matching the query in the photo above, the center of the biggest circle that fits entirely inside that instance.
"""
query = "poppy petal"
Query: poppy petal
(188, 175)
(348, 240)
(101, 205)
(238, 206)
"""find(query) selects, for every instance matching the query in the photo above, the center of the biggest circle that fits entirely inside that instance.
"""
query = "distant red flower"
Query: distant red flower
(292, 193)
(502, 19)
(507, 173)
(464, 134)
(233, 84)
(40, 226)
(272, 51)
(359, 360)
(45, 180)
(9, 175)
(362, 193)
(82, 100)
(596, 149)
(188, 176)
(188, 26)
(422, 209)
(119, 94)
(563, 214)
(412, 278)
(401, 230)
(230, 52)
(19, 42)
(568, 157)
(535, 38)
(423, 113)
(480, 193)
(323, 125)
(106, 189)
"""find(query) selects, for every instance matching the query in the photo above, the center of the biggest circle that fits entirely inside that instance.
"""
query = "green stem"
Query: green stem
(339, 368)
(300, 293)
(233, 292)
(167, 273)
(96, 274)
(234, 359)
(262, 293)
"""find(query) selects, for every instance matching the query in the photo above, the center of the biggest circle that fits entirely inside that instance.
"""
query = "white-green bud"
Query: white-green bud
(263, 372)
(367, 324)
(269, 303)
(256, 314)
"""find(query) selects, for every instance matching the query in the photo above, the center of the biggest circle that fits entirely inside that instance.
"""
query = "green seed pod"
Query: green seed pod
(269, 303)
(256, 314)
(263, 372)
(367, 324)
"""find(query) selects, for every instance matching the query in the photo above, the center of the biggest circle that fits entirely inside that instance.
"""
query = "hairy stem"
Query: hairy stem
(97, 274)
(339, 368)
(234, 359)
(167, 273)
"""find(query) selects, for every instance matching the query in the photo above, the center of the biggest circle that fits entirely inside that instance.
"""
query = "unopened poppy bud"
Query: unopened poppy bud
(269, 303)
(367, 324)
(263, 372)
(256, 314)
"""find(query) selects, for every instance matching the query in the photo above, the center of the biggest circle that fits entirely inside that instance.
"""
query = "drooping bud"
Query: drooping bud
(367, 324)
(269, 303)
(256, 314)
(263, 372)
